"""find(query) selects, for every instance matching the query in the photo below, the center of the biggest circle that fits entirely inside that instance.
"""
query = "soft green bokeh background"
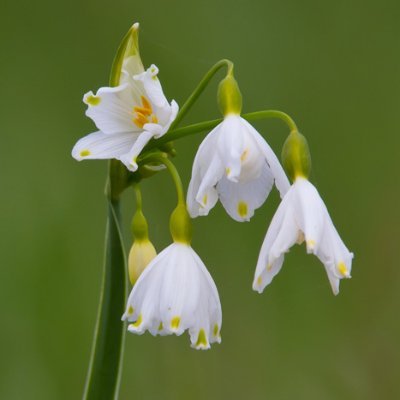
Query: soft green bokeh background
(334, 66)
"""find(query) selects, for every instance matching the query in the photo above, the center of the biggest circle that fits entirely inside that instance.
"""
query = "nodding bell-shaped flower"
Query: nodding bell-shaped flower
(302, 216)
(234, 164)
(176, 293)
(128, 115)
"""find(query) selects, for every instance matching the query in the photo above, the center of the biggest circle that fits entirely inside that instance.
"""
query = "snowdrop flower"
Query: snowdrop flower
(302, 216)
(175, 292)
(127, 116)
(234, 164)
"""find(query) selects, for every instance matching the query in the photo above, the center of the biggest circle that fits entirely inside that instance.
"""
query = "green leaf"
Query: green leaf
(105, 363)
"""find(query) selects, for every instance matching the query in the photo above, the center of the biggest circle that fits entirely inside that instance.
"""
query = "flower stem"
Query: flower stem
(105, 363)
(200, 88)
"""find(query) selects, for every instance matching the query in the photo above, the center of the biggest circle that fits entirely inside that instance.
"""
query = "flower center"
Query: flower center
(144, 114)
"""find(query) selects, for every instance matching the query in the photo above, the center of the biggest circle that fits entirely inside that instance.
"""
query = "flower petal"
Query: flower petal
(129, 159)
(241, 199)
(111, 109)
(99, 145)
(281, 180)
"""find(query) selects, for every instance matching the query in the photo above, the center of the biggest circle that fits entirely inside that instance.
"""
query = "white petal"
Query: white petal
(281, 180)
(111, 109)
(152, 86)
(241, 199)
(201, 164)
(129, 159)
(310, 212)
(230, 146)
(281, 235)
(99, 145)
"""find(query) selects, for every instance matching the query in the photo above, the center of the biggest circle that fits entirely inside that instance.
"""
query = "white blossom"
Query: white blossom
(127, 117)
(173, 294)
(236, 165)
(302, 216)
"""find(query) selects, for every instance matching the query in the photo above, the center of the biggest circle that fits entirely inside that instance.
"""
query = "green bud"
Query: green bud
(296, 157)
(229, 96)
(139, 226)
(180, 225)
(127, 56)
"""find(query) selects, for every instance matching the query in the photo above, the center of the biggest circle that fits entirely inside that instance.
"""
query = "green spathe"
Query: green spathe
(129, 48)
(229, 96)
(180, 225)
(296, 157)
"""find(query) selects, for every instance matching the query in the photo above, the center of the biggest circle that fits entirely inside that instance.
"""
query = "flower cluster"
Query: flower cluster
(173, 291)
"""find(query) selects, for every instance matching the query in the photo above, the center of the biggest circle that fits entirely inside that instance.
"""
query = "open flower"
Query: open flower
(302, 215)
(174, 293)
(235, 164)
(127, 116)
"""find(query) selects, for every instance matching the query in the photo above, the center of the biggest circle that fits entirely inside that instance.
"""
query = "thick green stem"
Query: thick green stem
(105, 363)
(200, 88)
(208, 125)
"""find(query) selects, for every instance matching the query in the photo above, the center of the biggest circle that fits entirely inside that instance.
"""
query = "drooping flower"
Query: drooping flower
(302, 216)
(236, 165)
(127, 116)
(173, 294)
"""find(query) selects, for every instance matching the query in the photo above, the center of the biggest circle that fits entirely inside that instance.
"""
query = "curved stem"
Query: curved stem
(138, 195)
(200, 88)
(208, 125)
(163, 159)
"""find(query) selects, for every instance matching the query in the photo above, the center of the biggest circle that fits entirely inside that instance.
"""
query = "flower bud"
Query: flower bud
(296, 157)
(140, 255)
(229, 96)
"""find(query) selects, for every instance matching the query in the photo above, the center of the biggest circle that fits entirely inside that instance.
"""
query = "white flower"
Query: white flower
(174, 293)
(235, 164)
(302, 215)
(127, 117)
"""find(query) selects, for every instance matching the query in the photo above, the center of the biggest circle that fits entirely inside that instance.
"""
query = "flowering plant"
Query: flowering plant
(173, 292)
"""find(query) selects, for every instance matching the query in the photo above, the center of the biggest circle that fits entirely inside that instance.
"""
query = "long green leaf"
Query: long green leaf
(105, 363)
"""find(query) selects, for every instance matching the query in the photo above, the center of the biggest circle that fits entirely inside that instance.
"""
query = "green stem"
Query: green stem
(208, 125)
(163, 159)
(105, 364)
(200, 88)
(138, 195)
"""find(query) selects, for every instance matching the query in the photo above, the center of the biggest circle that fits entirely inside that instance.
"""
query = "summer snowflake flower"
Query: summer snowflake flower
(174, 293)
(127, 116)
(235, 164)
(302, 215)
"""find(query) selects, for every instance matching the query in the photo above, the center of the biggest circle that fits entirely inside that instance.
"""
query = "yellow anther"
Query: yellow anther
(160, 327)
(259, 280)
(131, 310)
(143, 114)
(205, 198)
(175, 322)
(85, 153)
(242, 209)
(227, 171)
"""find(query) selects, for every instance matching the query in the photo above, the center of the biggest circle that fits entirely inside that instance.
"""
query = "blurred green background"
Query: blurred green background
(334, 67)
